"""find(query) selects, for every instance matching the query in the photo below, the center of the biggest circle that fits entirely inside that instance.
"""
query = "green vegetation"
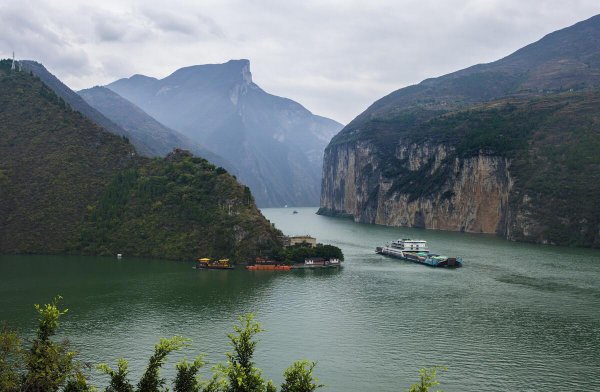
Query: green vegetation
(67, 185)
(181, 206)
(427, 380)
(298, 377)
(54, 163)
(51, 366)
(299, 252)
(47, 366)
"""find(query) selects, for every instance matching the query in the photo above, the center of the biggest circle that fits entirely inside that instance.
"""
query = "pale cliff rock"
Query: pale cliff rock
(474, 196)
(509, 147)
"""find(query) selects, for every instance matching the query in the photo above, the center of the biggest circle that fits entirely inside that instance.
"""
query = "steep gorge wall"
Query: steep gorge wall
(470, 194)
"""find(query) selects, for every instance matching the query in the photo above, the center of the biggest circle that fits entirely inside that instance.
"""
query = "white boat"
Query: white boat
(417, 251)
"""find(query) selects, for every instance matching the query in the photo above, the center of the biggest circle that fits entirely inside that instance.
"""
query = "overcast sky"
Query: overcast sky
(334, 57)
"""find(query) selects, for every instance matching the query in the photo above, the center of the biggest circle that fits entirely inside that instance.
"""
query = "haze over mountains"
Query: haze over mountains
(142, 128)
(121, 117)
(510, 147)
(275, 143)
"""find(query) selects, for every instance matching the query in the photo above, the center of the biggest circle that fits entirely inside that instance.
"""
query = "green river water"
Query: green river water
(517, 317)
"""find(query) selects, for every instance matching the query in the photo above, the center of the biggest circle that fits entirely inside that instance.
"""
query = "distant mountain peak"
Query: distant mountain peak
(141, 77)
(275, 142)
(233, 71)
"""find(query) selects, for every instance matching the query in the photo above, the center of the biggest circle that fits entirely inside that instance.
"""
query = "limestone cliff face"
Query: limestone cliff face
(472, 195)
(509, 147)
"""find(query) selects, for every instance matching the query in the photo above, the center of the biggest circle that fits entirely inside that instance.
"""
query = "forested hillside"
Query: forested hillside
(68, 185)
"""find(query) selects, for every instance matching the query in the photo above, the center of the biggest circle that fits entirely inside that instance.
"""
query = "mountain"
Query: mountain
(275, 142)
(149, 137)
(561, 61)
(69, 185)
(141, 127)
(75, 101)
(506, 147)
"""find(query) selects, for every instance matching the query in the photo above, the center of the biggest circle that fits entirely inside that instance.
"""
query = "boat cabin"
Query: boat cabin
(319, 261)
(408, 245)
(314, 261)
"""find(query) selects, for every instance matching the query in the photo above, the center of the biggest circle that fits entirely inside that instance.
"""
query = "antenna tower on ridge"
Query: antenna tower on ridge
(13, 63)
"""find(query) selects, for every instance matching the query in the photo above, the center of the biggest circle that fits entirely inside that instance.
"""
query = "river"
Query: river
(516, 317)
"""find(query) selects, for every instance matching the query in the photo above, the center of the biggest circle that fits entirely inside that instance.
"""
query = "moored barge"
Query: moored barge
(261, 264)
(418, 252)
(206, 263)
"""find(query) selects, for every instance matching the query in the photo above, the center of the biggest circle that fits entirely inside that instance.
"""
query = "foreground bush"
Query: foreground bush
(50, 366)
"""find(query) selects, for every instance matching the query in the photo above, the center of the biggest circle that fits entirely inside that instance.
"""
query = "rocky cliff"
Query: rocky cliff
(526, 169)
(473, 198)
(510, 147)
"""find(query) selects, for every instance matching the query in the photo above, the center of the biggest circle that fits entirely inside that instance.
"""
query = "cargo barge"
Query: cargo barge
(261, 264)
(418, 252)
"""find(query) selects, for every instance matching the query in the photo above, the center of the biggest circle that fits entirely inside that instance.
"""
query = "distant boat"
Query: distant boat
(295, 212)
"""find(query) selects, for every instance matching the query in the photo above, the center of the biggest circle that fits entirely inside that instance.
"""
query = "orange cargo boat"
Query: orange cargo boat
(269, 267)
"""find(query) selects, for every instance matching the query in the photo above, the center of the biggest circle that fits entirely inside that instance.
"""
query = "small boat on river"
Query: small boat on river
(418, 252)
(269, 267)
(206, 263)
(261, 264)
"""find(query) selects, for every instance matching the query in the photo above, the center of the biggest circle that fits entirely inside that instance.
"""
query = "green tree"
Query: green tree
(240, 371)
(187, 379)
(151, 380)
(11, 359)
(48, 364)
(119, 380)
(427, 380)
(218, 382)
(78, 383)
(299, 378)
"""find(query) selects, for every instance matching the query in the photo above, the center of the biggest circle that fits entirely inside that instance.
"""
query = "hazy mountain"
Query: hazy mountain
(563, 60)
(68, 185)
(508, 147)
(144, 129)
(275, 142)
(149, 137)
